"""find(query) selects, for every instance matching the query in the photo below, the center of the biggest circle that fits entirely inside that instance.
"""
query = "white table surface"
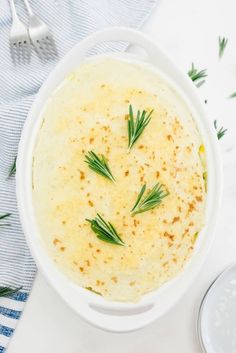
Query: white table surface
(188, 30)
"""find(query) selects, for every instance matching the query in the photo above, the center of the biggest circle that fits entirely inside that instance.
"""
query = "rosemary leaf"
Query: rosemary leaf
(233, 95)
(137, 126)
(153, 198)
(221, 132)
(105, 230)
(6, 291)
(98, 165)
(13, 168)
(2, 216)
(92, 290)
(222, 45)
(200, 83)
(197, 76)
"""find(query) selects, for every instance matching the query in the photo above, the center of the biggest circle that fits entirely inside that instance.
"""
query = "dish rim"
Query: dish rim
(202, 307)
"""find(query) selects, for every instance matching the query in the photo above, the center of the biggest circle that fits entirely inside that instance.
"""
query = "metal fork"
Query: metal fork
(19, 39)
(40, 36)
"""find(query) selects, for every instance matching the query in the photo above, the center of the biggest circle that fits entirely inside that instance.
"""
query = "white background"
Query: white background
(188, 30)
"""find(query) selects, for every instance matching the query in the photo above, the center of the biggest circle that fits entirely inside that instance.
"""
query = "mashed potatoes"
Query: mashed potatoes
(89, 111)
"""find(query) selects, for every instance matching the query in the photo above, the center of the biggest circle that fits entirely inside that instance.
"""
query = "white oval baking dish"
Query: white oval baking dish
(117, 316)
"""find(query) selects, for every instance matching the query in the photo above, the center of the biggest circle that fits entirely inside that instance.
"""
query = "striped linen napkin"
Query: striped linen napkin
(70, 21)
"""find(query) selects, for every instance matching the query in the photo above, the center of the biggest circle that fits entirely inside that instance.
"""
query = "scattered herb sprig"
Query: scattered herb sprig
(6, 291)
(3, 216)
(105, 230)
(222, 45)
(99, 165)
(233, 95)
(137, 126)
(221, 132)
(197, 76)
(13, 168)
(153, 198)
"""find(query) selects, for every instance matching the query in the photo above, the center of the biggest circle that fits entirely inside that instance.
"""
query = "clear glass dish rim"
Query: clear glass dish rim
(199, 318)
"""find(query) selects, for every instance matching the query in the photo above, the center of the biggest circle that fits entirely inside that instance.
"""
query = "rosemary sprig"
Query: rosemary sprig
(105, 230)
(221, 132)
(13, 168)
(233, 95)
(153, 198)
(135, 128)
(197, 76)
(98, 165)
(6, 291)
(222, 44)
(2, 216)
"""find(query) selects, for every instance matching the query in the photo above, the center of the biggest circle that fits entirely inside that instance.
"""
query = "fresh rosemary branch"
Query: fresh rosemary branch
(13, 168)
(221, 132)
(197, 76)
(98, 165)
(135, 128)
(2, 216)
(233, 95)
(222, 44)
(6, 291)
(105, 230)
(153, 198)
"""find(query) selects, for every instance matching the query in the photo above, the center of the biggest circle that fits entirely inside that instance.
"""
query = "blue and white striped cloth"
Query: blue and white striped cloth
(70, 21)
(10, 312)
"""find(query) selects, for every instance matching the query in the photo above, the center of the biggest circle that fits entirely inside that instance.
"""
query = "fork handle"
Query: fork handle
(28, 8)
(13, 11)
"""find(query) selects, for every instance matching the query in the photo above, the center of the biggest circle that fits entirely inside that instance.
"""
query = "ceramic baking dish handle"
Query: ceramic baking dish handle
(117, 319)
(119, 34)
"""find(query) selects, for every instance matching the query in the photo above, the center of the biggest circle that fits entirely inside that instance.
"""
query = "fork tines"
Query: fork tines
(45, 47)
(20, 51)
